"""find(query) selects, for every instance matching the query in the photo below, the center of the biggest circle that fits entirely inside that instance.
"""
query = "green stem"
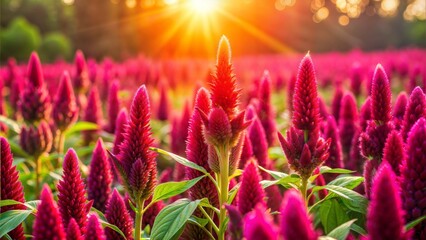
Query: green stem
(303, 190)
(138, 219)
(213, 225)
(60, 148)
(224, 185)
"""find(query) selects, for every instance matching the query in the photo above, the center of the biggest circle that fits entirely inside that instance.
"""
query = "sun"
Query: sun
(203, 6)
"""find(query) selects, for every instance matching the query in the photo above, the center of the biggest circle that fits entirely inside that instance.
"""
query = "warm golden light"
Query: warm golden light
(203, 6)
(344, 20)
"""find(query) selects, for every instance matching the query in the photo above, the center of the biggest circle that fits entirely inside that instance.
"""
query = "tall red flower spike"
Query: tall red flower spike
(11, 187)
(303, 146)
(394, 151)
(259, 144)
(16, 88)
(336, 102)
(113, 106)
(120, 128)
(94, 229)
(385, 218)
(36, 140)
(137, 164)
(356, 79)
(48, 223)
(73, 231)
(365, 114)
(100, 178)
(412, 177)
(81, 75)
(372, 141)
(416, 109)
(258, 224)
(72, 200)
(251, 192)
(332, 132)
(295, 221)
(370, 169)
(93, 114)
(163, 105)
(246, 153)
(348, 122)
(356, 160)
(65, 110)
(3, 127)
(290, 93)
(266, 111)
(380, 97)
(197, 151)
(178, 133)
(35, 102)
(117, 214)
(399, 110)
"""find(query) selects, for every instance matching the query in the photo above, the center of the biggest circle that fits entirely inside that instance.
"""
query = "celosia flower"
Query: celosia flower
(399, 110)
(73, 231)
(163, 105)
(266, 112)
(113, 106)
(336, 102)
(48, 223)
(179, 131)
(290, 94)
(374, 138)
(117, 214)
(81, 76)
(394, 151)
(258, 224)
(273, 197)
(94, 229)
(348, 122)
(385, 218)
(323, 109)
(93, 114)
(16, 88)
(250, 192)
(120, 127)
(380, 97)
(332, 132)
(11, 187)
(36, 140)
(246, 153)
(72, 200)
(100, 179)
(259, 144)
(295, 221)
(356, 79)
(3, 127)
(235, 225)
(365, 114)
(151, 213)
(412, 177)
(370, 169)
(35, 102)
(65, 110)
(137, 164)
(355, 161)
(416, 109)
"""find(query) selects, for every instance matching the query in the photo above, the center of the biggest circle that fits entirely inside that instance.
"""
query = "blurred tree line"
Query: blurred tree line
(56, 28)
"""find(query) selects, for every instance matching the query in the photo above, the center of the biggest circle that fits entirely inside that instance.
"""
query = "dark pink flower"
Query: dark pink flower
(258, 224)
(348, 122)
(94, 229)
(250, 192)
(416, 108)
(356, 79)
(11, 187)
(413, 177)
(93, 114)
(120, 127)
(332, 132)
(372, 140)
(336, 102)
(81, 75)
(295, 221)
(100, 178)
(394, 151)
(259, 143)
(36, 140)
(365, 114)
(72, 199)
(385, 218)
(48, 223)
(65, 110)
(16, 88)
(380, 97)
(117, 214)
(179, 131)
(355, 161)
(113, 106)
(290, 93)
(246, 153)
(266, 111)
(399, 110)
(163, 105)
(73, 231)
(370, 169)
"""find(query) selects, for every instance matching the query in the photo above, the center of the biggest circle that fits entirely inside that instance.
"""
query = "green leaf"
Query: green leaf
(356, 228)
(171, 219)
(275, 152)
(356, 202)
(8, 202)
(32, 204)
(198, 221)
(288, 181)
(99, 213)
(349, 182)
(180, 159)
(11, 124)
(276, 175)
(170, 189)
(325, 169)
(113, 227)
(233, 193)
(18, 151)
(332, 214)
(11, 219)
(342, 231)
(81, 126)
(413, 223)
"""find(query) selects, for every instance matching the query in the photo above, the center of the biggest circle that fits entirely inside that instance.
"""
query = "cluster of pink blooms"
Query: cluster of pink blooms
(382, 141)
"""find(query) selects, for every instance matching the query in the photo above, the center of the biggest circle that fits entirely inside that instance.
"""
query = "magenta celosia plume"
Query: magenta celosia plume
(290, 93)
(81, 79)
(11, 187)
(36, 140)
(385, 218)
(370, 169)
(356, 79)
(412, 177)
(250, 192)
(399, 110)
(65, 110)
(100, 178)
(394, 151)
(348, 122)
(73, 231)
(72, 199)
(380, 96)
(117, 214)
(246, 153)
(295, 221)
(35, 103)
(416, 108)
(137, 163)
(259, 144)
(48, 222)
(94, 229)
(259, 224)
(266, 111)
(16, 88)
(120, 127)
(336, 102)
(332, 132)
(365, 114)
(113, 106)
(93, 114)
(163, 105)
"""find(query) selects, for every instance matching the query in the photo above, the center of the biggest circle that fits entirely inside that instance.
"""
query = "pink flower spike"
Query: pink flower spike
(65, 110)
(35, 73)
(81, 75)
(120, 126)
(394, 151)
(117, 214)
(380, 97)
(94, 229)
(332, 132)
(93, 114)
(348, 122)
(73, 231)
(251, 192)
(163, 105)
(416, 109)
(258, 224)
(399, 110)
(113, 106)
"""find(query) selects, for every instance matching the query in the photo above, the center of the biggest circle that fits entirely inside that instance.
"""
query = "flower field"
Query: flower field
(315, 146)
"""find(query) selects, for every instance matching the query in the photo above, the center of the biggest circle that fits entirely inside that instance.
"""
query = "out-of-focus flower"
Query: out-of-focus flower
(113, 107)
(117, 214)
(258, 224)
(399, 110)
(73, 231)
(93, 114)
(65, 110)
(250, 192)
(36, 140)
(94, 229)
(416, 109)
